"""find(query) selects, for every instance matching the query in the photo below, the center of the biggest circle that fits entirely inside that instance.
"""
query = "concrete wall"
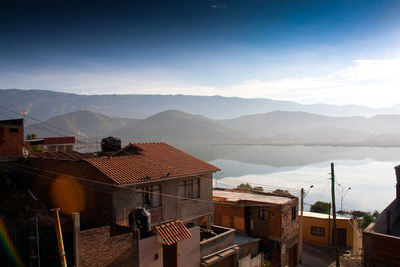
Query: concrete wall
(248, 261)
(172, 207)
(66, 184)
(189, 249)
(150, 252)
(223, 240)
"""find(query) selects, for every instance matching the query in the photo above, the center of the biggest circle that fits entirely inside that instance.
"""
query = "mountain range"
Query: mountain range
(279, 127)
(43, 105)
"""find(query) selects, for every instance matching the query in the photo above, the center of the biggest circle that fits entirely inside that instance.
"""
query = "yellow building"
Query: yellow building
(318, 229)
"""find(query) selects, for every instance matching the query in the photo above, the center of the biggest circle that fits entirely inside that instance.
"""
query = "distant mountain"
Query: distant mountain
(43, 105)
(177, 126)
(80, 124)
(302, 127)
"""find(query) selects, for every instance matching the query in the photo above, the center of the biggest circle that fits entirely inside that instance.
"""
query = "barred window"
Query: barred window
(189, 188)
(318, 231)
(294, 213)
(148, 196)
(262, 213)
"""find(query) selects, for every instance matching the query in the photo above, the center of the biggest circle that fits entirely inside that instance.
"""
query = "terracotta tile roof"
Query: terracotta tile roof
(70, 155)
(153, 161)
(59, 140)
(172, 232)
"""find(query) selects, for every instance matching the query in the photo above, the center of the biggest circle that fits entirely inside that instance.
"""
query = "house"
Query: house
(381, 239)
(270, 217)
(53, 144)
(11, 139)
(173, 187)
(318, 229)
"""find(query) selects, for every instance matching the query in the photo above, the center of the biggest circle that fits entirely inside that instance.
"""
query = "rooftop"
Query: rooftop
(235, 196)
(322, 215)
(142, 162)
(172, 232)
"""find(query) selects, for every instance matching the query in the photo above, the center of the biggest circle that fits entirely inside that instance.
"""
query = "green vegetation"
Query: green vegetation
(247, 186)
(35, 148)
(281, 192)
(367, 219)
(320, 207)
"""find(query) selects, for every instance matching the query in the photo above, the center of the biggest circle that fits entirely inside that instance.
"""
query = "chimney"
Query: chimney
(397, 169)
(11, 138)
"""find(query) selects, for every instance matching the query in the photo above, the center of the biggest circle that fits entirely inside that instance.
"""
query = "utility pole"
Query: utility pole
(60, 243)
(329, 225)
(77, 238)
(335, 241)
(300, 252)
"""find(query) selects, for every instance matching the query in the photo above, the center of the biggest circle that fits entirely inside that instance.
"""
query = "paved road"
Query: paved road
(316, 256)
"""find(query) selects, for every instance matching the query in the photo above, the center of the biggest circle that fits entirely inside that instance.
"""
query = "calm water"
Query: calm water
(368, 171)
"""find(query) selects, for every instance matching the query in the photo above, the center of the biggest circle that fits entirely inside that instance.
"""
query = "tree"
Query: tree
(366, 220)
(34, 148)
(244, 186)
(31, 136)
(320, 207)
(281, 192)
(258, 188)
(247, 186)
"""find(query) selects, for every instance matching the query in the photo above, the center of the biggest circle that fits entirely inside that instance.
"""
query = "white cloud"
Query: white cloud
(368, 82)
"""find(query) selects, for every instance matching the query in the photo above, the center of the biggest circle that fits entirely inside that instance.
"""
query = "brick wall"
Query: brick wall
(229, 216)
(99, 249)
(11, 140)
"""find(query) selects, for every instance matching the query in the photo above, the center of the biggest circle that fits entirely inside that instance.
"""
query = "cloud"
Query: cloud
(367, 82)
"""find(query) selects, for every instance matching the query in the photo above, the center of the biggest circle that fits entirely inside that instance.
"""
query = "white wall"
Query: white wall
(189, 250)
(148, 247)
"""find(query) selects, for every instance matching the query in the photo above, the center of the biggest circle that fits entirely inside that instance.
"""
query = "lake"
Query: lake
(368, 171)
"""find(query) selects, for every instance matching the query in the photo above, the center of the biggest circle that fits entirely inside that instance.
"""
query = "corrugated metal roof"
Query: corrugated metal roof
(235, 196)
(172, 232)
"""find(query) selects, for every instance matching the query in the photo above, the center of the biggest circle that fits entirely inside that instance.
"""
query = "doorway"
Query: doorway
(342, 236)
(170, 255)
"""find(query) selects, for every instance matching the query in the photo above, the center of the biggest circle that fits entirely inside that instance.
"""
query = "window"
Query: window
(148, 196)
(189, 188)
(318, 231)
(294, 213)
(13, 130)
(262, 213)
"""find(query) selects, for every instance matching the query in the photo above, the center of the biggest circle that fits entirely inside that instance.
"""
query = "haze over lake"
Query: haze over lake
(369, 171)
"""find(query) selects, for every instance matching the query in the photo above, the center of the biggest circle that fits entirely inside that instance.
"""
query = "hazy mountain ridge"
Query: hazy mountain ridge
(44, 104)
(178, 126)
(79, 123)
(279, 127)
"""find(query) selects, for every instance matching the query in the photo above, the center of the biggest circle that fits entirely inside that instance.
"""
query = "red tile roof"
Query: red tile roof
(59, 140)
(153, 161)
(70, 155)
(173, 232)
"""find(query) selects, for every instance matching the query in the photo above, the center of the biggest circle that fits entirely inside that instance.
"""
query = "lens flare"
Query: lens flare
(8, 245)
(68, 195)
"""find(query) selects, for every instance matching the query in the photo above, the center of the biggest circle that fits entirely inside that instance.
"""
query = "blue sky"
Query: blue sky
(335, 52)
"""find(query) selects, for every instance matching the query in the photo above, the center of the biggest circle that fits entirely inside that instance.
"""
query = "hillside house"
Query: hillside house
(318, 229)
(270, 217)
(381, 239)
(53, 144)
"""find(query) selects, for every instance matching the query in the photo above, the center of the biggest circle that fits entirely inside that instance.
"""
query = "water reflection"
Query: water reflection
(367, 170)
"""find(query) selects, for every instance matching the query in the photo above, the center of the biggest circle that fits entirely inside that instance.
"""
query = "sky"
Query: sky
(308, 51)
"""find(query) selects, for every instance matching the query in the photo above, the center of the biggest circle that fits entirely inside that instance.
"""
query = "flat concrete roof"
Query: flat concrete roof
(241, 239)
(236, 196)
(321, 215)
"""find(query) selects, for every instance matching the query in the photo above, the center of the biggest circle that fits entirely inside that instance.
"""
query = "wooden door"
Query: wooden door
(170, 255)
(342, 237)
